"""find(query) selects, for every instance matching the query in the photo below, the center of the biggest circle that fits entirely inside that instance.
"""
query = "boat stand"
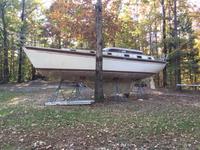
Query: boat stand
(140, 92)
(118, 96)
(74, 97)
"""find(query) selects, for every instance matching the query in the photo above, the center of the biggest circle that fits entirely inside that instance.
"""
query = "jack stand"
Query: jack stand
(140, 90)
(76, 92)
(56, 94)
(117, 94)
(74, 97)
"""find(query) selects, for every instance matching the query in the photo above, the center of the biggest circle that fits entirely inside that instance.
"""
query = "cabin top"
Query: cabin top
(122, 50)
(119, 52)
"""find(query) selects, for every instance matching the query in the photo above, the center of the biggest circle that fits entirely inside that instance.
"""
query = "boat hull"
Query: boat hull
(76, 66)
(90, 74)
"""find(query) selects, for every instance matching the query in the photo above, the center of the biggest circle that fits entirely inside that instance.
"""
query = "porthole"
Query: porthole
(126, 55)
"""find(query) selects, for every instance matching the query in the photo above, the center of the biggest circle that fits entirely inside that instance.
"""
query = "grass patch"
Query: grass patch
(7, 95)
(176, 120)
(8, 147)
(30, 117)
(125, 123)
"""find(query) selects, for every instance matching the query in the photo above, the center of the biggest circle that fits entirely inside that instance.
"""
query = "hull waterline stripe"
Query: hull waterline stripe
(106, 71)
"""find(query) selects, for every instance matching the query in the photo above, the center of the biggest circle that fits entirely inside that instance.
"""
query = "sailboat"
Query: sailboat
(76, 64)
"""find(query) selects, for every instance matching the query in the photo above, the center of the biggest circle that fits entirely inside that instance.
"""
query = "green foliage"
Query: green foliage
(188, 54)
(31, 27)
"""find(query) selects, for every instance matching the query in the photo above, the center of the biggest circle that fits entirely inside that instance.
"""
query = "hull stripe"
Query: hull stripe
(106, 71)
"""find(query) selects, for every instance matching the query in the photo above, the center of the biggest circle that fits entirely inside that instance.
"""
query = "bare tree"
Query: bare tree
(99, 96)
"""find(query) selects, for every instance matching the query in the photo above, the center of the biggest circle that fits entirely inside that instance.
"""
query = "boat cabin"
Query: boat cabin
(122, 50)
(127, 53)
(118, 52)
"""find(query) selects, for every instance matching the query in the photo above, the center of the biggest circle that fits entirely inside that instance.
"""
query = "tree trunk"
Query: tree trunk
(164, 41)
(22, 40)
(59, 40)
(1, 65)
(177, 57)
(12, 62)
(99, 96)
(171, 61)
(156, 39)
(156, 51)
(5, 46)
(33, 70)
(33, 73)
(150, 41)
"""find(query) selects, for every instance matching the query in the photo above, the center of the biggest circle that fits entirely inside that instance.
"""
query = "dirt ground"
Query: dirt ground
(165, 120)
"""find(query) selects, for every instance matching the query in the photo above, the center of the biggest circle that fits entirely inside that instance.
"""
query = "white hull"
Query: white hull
(72, 65)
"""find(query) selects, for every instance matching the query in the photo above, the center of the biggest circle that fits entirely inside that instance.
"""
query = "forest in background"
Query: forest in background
(158, 27)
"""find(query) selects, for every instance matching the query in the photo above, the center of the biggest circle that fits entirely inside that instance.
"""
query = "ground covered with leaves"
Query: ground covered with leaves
(163, 121)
